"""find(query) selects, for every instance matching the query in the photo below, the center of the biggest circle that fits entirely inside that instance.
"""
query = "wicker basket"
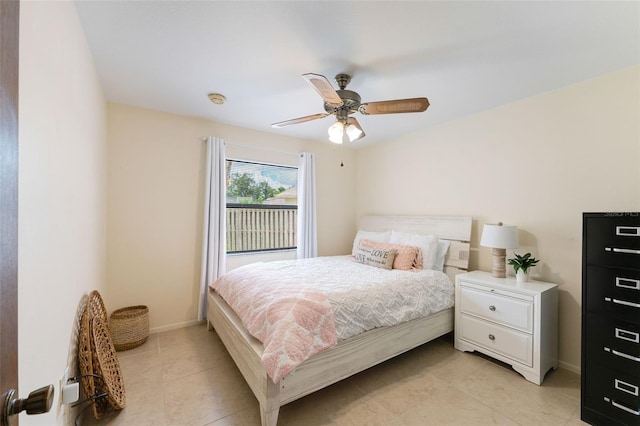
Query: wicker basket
(129, 327)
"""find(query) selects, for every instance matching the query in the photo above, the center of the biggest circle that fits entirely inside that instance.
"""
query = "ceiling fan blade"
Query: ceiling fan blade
(299, 120)
(324, 88)
(395, 107)
(356, 133)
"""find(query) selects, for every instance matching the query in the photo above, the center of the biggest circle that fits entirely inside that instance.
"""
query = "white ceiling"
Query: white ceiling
(464, 56)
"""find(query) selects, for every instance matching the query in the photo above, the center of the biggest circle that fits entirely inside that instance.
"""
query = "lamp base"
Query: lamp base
(498, 268)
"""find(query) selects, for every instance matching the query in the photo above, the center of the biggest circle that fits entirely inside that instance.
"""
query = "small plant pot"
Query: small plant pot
(522, 276)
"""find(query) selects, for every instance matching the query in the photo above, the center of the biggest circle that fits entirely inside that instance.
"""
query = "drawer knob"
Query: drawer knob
(492, 308)
(492, 337)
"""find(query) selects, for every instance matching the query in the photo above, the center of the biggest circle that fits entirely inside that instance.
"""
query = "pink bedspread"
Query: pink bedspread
(292, 320)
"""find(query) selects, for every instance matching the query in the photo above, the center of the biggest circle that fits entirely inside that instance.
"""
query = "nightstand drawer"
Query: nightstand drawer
(502, 340)
(516, 313)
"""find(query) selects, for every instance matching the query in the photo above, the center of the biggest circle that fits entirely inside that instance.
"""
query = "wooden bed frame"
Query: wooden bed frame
(352, 355)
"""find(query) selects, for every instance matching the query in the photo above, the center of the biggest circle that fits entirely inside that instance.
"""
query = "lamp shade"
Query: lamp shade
(353, 129)
(499, 236)
(336, 132)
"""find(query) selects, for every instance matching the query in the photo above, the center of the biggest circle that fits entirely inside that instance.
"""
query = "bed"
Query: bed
(356, 353)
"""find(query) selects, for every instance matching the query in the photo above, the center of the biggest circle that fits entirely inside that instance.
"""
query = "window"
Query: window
(262, 206)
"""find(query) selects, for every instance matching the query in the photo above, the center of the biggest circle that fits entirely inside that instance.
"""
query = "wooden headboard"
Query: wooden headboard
(456, 229)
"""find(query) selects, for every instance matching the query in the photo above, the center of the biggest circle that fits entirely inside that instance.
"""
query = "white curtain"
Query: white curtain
(307, 233)
(214, 230)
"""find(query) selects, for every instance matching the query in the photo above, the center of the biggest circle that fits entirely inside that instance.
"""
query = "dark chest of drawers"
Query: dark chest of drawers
(611, 319)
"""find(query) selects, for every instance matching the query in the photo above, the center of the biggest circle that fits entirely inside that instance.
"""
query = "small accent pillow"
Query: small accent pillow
(407, 257)
(428, 245)
(379, 237)
(380, 258)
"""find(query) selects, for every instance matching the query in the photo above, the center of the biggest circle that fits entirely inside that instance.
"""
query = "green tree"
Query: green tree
(263, 191)
(243, 185)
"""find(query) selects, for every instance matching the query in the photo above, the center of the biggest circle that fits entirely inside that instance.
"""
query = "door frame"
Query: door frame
(9, 58)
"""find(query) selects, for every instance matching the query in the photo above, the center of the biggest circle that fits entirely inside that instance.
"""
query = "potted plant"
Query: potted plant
(521, 265)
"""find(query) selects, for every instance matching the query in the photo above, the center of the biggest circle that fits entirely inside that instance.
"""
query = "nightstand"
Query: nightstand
(514, 322)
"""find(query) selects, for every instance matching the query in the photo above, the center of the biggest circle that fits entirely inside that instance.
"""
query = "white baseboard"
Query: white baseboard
(175, 326)
(573, 368)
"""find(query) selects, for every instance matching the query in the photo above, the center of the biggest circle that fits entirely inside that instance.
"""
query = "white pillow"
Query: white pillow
(428, 245)
(378, 237)
(443, 246)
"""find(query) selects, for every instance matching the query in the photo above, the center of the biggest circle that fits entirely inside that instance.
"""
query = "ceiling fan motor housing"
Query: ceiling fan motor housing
(342, 103)
(351, 101)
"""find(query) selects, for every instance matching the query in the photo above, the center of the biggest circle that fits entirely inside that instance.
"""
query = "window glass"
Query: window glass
(262, 206)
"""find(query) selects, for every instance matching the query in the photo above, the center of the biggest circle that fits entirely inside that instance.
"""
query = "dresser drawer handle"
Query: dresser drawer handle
(626, 387)
(623, 407)
(492, 308)
(628, 283)
(628, 231)
(621, 250)
(622, 302)
(492, 337)
(622, 354)
(627, 335)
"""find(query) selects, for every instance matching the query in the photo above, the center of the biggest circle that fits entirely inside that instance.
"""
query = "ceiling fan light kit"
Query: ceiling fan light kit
(343, 103)
(349, 128)
(345, 126)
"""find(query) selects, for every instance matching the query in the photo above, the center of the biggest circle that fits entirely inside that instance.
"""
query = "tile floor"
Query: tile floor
(185, 377)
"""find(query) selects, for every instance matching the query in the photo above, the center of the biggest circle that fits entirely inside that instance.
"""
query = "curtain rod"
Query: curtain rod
(204, 139)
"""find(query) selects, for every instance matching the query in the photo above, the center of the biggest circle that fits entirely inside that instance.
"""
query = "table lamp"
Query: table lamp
(499, 237)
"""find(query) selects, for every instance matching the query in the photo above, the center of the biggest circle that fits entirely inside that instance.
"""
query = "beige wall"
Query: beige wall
(537, 163)
(62, 198)
(143, 213)
(155, 177)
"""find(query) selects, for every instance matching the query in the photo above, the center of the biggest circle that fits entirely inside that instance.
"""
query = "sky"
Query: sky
(275, 176)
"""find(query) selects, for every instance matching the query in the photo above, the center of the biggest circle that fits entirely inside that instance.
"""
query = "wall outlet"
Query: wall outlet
(70, 393)
(61, 385)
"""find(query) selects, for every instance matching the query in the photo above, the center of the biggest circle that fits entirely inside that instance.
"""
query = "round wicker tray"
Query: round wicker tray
(85, 360)
(96, 357)
(129, 327)
(95, 305)
(106, 364)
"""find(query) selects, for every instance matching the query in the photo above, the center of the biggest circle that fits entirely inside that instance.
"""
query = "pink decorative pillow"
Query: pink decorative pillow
(428, 245)
(407, 257)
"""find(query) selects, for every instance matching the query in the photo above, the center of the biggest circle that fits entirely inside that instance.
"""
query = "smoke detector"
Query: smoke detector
(217, 98)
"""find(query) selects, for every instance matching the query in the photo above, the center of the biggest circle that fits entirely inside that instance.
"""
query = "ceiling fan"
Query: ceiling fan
(342, 103)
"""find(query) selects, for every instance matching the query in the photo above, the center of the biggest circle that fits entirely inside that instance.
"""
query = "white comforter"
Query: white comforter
(362, 297)
(301, 307)
(365, 297)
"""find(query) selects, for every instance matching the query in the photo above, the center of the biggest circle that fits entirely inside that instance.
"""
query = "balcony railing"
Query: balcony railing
(259, 227)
